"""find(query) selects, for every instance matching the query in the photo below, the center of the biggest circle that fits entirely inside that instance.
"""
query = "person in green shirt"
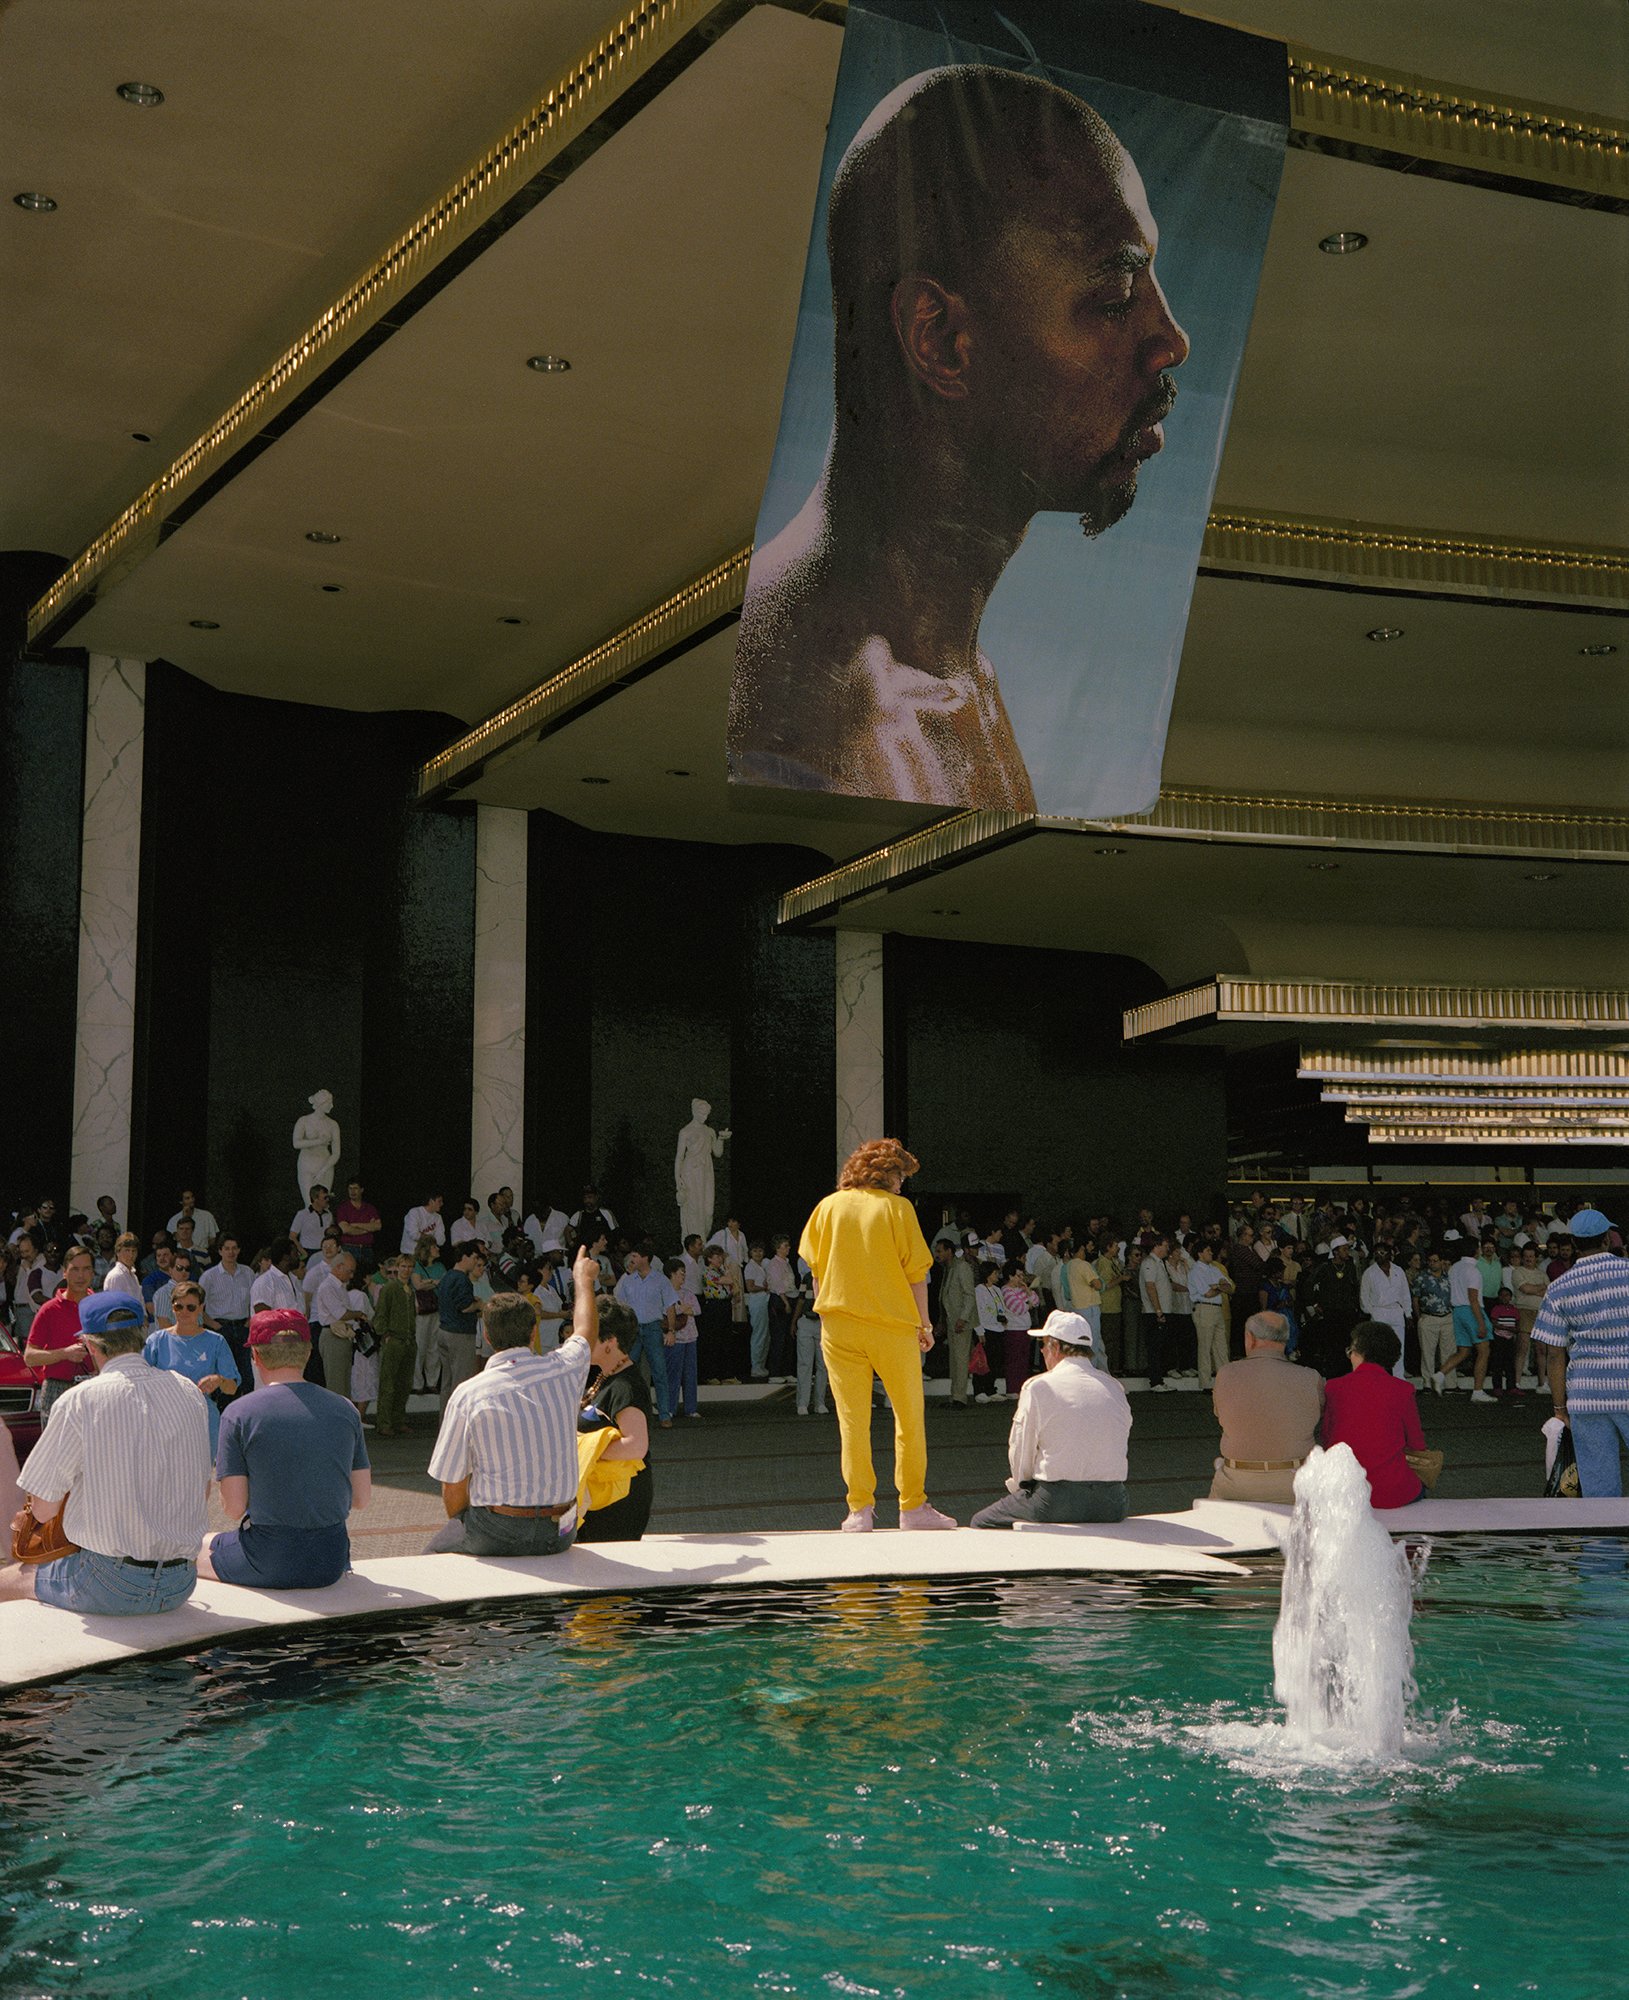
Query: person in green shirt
(395, 1323)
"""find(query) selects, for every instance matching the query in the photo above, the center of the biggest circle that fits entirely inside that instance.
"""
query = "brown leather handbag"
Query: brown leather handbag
(1426, 1467)
(35, 1541)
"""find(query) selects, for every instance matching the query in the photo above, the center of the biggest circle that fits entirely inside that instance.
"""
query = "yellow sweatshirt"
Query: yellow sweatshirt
(866, 1249)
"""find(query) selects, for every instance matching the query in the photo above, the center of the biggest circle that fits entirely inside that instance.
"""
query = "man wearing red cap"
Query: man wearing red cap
(292, 1465)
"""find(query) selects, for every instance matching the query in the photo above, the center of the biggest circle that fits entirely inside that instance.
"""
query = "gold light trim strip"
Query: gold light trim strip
(1346, 103)
(1515, 1135)
(712, 595)
(1355, 1002)
(1532, 1068)
(1411, 559)
(573, 101)
(1367, 1103)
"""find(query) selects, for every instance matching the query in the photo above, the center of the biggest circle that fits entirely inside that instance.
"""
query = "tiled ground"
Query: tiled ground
(746, 1465)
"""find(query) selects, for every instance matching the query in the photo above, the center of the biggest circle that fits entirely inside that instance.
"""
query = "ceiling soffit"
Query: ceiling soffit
(1337, 105)
(648, 46)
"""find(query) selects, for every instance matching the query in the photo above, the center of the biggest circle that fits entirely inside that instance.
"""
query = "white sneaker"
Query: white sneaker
(860, 1522)
(981, 1398)
(1439, 1381)
(925, 1517)
(1482, 1396)
(1164, 1389)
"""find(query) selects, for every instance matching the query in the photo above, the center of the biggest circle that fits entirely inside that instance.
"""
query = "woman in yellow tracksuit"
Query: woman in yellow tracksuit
(870, 1263)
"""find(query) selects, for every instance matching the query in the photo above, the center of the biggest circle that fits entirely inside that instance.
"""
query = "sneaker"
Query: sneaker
(803, 1410)
(821, 1410)
(1439, 1381)
(981, 1397)
(1482, 1396)
(695, 1415)
(925, 1517)
(1163, 1388)
(860, 1522)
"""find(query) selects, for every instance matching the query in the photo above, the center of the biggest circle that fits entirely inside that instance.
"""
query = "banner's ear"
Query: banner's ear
(930, 325)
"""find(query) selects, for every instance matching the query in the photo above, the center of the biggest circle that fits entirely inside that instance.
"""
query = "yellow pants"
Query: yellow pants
(855, 1350)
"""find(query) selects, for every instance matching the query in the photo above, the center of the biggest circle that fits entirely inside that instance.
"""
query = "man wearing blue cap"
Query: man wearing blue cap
(1584, 1322)
(125, 1463)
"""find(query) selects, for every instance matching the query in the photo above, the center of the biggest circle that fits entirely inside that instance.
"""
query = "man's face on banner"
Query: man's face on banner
(1072, 342)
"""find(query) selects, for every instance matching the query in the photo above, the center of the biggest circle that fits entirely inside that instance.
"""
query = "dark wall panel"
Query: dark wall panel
(656, 975)
(1018, 1081)
(42, 761)
(303, 927)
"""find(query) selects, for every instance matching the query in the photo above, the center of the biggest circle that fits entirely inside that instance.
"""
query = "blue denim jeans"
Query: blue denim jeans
(1596, 1437)
(655, 1357)
(110, 1587)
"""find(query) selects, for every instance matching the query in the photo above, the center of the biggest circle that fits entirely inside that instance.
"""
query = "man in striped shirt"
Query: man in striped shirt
(1584, 1322)
(125, 1461)
(506, 1454)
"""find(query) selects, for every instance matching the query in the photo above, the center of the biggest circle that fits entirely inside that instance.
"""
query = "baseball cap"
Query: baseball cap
(1073, 1329)
(281, 1323)
(103, 1312)
(1336, 1242)
(1587, 1222)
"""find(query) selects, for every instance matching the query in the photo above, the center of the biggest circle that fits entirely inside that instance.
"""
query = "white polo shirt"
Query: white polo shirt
(422, 1222)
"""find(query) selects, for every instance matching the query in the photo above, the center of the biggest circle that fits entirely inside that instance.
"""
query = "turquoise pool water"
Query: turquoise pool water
(1058, 1787)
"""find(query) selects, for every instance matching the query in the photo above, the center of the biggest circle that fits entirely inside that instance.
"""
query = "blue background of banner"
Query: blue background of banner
(1085, 635)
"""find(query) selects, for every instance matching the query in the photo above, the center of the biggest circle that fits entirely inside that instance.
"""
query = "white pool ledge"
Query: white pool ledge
(40, 1643)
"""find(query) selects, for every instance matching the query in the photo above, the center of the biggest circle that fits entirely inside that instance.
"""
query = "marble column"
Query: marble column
(859, 1040)
(497, 1113)
(109, 871)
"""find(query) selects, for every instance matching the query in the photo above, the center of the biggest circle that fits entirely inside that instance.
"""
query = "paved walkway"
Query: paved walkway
(746, 1465)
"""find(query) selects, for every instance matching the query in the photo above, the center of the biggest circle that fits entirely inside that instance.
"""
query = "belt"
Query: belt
(534, 1513)
(1263, 1464)
(169, 1562)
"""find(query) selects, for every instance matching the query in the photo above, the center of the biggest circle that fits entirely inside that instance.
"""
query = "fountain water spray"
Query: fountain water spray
(1343, 1660)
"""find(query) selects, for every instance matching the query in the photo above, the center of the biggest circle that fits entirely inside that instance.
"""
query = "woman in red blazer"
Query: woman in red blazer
(1374, 1412)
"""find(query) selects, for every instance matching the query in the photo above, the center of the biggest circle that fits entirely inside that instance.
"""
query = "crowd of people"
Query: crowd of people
(556, 1344)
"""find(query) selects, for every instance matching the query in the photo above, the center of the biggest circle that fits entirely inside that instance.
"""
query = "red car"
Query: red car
(19, 1395)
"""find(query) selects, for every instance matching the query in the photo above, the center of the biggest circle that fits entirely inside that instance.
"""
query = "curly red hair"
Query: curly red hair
(870, 1165)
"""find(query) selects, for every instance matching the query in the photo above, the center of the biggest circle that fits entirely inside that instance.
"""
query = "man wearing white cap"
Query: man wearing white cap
(1332, 1309)
(1584, 1325)
(1067, 1447)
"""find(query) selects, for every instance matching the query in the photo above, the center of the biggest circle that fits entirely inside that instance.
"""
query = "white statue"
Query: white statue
(699, 1146)
(316, 1140)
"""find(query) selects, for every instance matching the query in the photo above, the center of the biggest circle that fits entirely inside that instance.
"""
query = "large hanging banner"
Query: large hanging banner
(1034, 258)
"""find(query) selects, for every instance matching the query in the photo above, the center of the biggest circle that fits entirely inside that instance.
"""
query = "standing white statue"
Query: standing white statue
(699, 1146)
(316, 1141)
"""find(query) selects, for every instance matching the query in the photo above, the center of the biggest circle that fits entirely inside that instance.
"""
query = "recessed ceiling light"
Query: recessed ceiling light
(549, 364)
(1538, 878)
(1323, 867)
(1343, 242)
(144, 94)
(1381, 633)
(676, 773)
(36, 204)
(1597, 652)
(1108, 850)
(511, 621)
(204, 624)
(333, 589)
(322, 535)
(594, 781)
(141, 437)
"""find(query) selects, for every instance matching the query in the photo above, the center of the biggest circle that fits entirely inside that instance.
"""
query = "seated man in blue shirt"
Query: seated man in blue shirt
(292, 1465)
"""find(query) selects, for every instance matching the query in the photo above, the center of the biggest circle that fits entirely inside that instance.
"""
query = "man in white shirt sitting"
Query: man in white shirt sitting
(506, 1454)
(1067, 1448)
(125, 1462)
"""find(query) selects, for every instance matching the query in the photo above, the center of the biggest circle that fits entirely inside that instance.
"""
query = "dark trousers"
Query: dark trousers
(1057, 1500)
(397, 1356)
(782, 1336)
